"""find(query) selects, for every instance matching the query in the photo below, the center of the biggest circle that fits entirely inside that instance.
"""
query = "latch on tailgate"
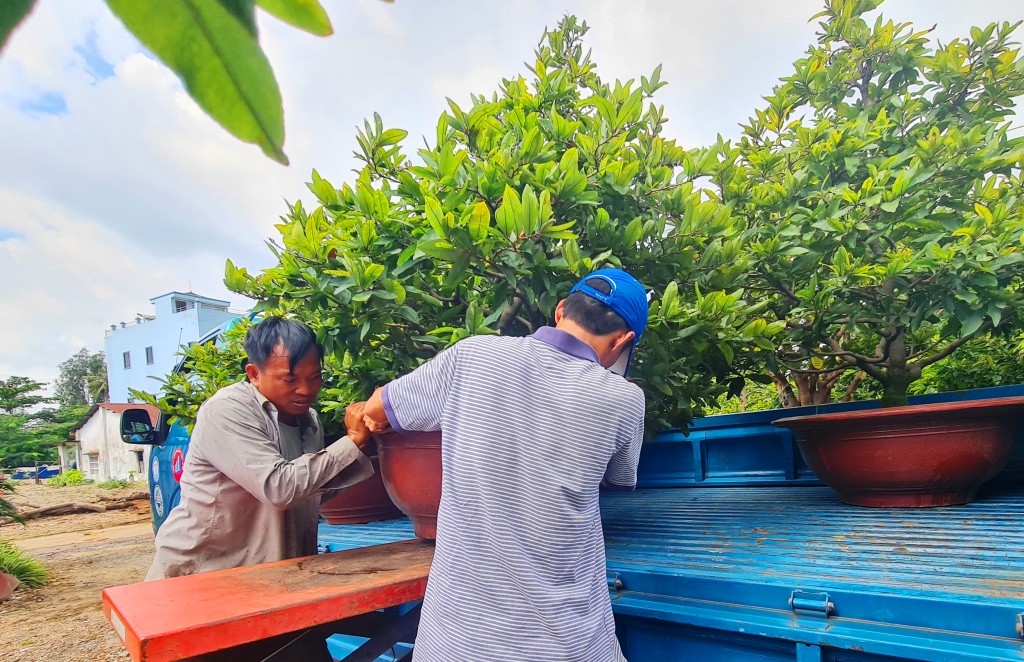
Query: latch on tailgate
(808, 603)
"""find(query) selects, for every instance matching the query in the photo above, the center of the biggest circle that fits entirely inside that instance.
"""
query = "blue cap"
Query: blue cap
(628, 298)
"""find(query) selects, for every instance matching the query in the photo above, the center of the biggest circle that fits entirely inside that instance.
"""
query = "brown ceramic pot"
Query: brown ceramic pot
(411, 467)
(363, 502)
(917, 456)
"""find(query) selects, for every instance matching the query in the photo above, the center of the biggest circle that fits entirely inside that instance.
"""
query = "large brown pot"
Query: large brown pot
(917, 456)
(363, 502)
(411, 467)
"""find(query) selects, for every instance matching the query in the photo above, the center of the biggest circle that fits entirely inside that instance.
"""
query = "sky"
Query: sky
(116, 188)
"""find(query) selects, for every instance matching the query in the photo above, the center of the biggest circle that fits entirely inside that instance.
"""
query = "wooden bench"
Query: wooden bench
(184, 617)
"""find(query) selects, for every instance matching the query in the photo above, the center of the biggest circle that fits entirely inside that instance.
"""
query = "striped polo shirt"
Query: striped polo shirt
(531, 426)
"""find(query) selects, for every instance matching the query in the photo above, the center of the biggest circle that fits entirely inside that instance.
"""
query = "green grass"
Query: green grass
(13, 561)
(73, 477)
(113, 484)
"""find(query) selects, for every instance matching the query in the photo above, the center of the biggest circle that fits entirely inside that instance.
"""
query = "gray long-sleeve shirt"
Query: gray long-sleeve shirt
(248, 493)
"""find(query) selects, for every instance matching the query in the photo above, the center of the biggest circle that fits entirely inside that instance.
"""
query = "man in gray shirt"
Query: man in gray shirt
(257, 465)
(531, 428)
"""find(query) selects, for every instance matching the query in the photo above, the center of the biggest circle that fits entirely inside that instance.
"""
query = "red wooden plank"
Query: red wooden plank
(176, 618)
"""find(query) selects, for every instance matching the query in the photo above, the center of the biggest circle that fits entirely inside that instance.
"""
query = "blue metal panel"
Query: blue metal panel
(746, 449)
(343, 645)
(928, 584)
(339, 537)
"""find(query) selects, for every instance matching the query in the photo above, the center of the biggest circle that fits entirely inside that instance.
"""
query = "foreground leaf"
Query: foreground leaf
(219, 61)
(12, 13)
(306, 15)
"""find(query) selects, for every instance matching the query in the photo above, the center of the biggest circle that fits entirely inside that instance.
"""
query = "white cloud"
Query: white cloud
(134, 191)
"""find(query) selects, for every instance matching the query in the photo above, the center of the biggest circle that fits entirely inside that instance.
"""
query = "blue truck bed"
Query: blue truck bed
(790, 573)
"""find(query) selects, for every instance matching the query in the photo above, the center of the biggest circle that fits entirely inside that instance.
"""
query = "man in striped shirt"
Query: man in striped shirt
(531, 428)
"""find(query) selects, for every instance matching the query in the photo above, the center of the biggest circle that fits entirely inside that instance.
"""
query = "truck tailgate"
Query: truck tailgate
(758, 573)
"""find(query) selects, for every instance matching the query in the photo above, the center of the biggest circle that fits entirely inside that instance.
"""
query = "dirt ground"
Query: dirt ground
(84, 553)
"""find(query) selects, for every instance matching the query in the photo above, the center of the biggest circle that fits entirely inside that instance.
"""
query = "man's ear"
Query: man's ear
(252, 372)
(622, 342)
(559, 311)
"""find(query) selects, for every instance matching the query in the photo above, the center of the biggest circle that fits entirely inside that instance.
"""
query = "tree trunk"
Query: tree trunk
(894, 393)
(897, 376)
(784, 390)
(852, 388)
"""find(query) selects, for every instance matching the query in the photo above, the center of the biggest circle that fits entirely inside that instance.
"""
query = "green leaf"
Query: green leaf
(458, 270)
(972, 322)
(983, 211)
(392, 137)
(12, 13)
(409, 314)
(219, 61)
(440, 249)
(634, 231)
(306, 15)
(372, 273)
(474, 317)
(396, 288)
(435, 216)
(670, 297)
(529, 215)
(689, 331)
(507, 217)
(479, 221)
(890, 206)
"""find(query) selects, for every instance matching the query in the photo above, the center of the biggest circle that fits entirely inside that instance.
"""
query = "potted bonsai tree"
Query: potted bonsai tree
(883, 197)
(517, 197)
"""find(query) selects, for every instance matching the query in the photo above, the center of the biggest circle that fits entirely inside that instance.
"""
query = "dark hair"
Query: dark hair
(591, 314)
(297, 339)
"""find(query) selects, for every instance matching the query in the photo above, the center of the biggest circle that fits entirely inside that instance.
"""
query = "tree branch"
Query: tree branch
(953, 346)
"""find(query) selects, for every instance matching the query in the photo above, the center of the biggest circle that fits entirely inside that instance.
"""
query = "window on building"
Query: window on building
(180, 305)
(149, 356)
(140, 463)
(94, 467)
(127, 360)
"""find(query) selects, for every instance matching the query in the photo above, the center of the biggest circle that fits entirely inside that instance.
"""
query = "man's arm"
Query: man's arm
(421, 395)
(241, 450)
(375, 418)
(621, 472)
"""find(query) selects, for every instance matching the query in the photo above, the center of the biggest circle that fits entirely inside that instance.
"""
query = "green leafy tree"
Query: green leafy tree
(97, 386)
(996, 360)
(520, 195)
(18, 394)
(213, 46)
(28, 438)
(883, 194)
(81, 376)
(207, 369)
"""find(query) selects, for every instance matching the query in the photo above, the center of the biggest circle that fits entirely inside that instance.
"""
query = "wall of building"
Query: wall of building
(165, 333)
(103, 454)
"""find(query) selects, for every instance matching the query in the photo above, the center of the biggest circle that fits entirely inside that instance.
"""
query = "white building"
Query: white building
(97, 449)
(148, 346)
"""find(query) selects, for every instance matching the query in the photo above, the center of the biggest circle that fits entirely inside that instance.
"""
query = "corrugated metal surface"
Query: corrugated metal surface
(959, 569)
(710, 574)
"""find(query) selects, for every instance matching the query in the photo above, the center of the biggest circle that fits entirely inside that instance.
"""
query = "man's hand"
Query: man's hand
(356, 429)
(373, 414)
